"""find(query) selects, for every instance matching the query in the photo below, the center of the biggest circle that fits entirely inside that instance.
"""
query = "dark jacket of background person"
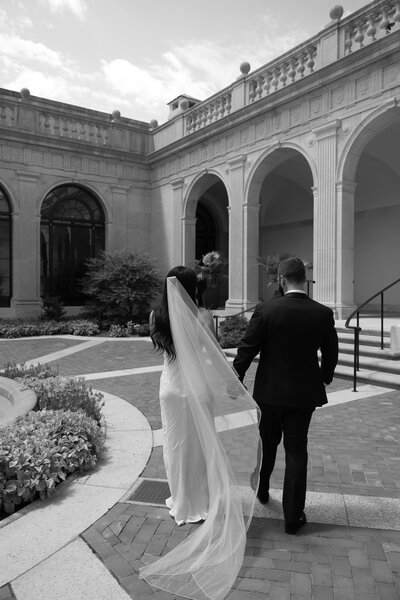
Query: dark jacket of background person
(288, 331)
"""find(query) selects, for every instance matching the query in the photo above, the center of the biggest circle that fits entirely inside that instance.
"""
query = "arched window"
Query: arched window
(5, 250)
(72, 231)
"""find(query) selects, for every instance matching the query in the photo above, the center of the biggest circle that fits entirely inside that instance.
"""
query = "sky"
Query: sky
(136, 56)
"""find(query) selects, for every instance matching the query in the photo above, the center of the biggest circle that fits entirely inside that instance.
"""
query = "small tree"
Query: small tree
(121, 284)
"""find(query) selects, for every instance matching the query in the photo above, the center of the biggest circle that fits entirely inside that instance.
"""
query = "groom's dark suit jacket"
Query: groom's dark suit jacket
(288, 331)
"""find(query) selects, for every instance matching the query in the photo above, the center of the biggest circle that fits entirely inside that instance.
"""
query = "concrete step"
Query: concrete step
(371, 363)
(365, 339)
(389, 380)
(371, 351)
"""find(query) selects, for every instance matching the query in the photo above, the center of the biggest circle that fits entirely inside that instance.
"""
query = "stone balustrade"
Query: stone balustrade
(279, 74)
(208, 112)
(76, 129)
(369, 25)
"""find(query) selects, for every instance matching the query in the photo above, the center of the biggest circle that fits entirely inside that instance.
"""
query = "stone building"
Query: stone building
(299, 156)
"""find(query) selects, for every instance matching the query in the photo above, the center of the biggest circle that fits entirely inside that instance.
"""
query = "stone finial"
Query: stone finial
(25, 93)
(116, 115)
(245, 68)
(153, 124)
(336, 12)
(184, 104)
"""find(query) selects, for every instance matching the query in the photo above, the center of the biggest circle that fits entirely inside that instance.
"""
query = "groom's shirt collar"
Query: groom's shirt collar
(296, 292)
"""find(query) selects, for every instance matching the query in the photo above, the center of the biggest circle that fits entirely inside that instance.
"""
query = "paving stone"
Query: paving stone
(322, 592)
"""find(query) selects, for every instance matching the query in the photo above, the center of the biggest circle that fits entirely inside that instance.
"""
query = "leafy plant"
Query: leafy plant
(231, 331)
(53, 308)
(121, 284)
(16, 329)
(14, 371)
(40, 449)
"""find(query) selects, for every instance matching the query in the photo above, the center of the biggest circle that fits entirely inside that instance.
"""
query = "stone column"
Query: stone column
(119, 197)
(188, 225)
(251, 230)
(325, 223)
(243, 242)
(345, 249)
(178, 227)
(26, 299)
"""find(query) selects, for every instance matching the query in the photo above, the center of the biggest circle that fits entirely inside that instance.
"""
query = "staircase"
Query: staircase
(377, 367)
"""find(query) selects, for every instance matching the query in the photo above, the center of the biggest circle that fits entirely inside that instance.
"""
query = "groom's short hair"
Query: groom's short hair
(293, 270)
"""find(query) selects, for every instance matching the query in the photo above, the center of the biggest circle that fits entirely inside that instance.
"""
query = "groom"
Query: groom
(288, 331)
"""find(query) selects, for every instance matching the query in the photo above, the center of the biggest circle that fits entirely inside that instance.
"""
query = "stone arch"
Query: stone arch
(206, 199)
(368, 169)
(281, 185)
(6, 246)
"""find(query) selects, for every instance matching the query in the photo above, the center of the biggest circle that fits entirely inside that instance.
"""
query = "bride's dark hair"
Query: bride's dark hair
(160, 329)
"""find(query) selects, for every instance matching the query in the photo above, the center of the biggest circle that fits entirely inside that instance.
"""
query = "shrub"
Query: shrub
(14, 371)
(41, 449)
(66, 393)
(13, 329)
(231, 331)
(139, 329)
(53, 308)
(120, 284)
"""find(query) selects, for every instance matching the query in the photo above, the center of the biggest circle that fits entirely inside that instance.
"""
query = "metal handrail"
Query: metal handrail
(357, 328)
(217, 317)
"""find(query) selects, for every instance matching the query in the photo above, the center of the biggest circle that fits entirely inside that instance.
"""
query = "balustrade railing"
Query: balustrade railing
(208, 112)
(73, 129)
(373, 24)
(279, 74)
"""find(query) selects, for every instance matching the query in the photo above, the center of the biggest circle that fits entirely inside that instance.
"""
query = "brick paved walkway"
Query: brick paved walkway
(354, 449)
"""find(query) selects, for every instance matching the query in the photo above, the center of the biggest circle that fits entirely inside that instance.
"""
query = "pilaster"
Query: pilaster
(26, 299)
(345, 248)
(119, 198)
(188, 226)
(179, 249)
(325, 221)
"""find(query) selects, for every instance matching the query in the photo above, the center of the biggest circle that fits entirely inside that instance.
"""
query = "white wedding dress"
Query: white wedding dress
(183, 455)
(208, 467)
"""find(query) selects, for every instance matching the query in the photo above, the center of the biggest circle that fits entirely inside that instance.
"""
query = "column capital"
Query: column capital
(178, 183)
(250, 207)
(327, 129)
(237, 162)
(28, 176)
(346, 186)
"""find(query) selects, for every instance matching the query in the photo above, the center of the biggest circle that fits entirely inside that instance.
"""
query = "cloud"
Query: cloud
(77, 7)
(22, 50)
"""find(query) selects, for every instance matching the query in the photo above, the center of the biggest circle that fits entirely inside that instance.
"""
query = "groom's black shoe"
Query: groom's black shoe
(292, 528)
(263, 497)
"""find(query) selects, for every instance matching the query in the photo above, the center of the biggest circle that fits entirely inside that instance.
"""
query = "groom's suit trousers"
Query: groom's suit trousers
(293, 423)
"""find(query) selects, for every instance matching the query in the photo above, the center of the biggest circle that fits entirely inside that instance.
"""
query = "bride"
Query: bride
(211, 447)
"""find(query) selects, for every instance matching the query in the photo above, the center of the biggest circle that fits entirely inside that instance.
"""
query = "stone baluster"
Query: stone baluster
(221, 108)
(47, 124)
(292, 70)
(189, 124)
(209, 114)
(56, 126)
(359, 37)
(348, 42)
(267, 83)
(275, 79)
(384, 20)
(310, 59)
(203, 120)
(301, 67)
(215, 111)
(283, 77)
(228, 103)
(371, 30)
(259, 87)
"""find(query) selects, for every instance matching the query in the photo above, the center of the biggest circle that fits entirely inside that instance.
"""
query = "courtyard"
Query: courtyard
(91, 538)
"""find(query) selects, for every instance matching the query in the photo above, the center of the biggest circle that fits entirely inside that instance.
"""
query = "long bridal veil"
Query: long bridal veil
(205, 565)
